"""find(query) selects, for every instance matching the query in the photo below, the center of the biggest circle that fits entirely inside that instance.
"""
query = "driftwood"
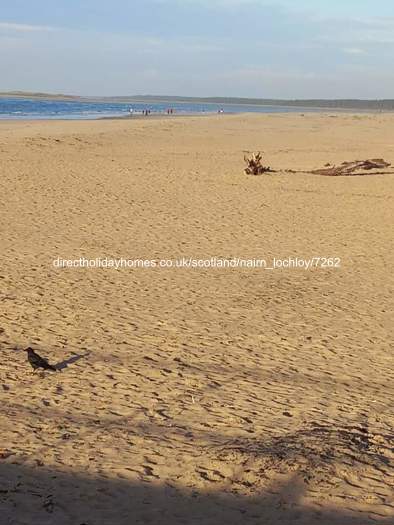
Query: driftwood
(352, 168)
(254, 165)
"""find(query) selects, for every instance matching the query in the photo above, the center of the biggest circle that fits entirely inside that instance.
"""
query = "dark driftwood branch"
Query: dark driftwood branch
(350, 168)
(356, 167)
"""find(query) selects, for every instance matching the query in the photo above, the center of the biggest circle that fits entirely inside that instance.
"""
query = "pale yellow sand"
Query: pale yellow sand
(202, 396)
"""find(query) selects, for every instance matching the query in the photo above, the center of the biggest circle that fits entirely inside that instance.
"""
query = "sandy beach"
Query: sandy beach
(197, 395)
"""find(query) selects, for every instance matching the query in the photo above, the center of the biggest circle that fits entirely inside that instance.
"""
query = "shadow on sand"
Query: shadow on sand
(38, 496)
(76, 357)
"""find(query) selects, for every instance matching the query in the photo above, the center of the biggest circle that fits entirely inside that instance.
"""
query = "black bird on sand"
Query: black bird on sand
(37, 361)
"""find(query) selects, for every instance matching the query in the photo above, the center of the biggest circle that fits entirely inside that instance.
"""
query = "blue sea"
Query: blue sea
(33, 109)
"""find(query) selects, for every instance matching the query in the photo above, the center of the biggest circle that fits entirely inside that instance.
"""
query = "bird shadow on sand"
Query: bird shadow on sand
(71, 360)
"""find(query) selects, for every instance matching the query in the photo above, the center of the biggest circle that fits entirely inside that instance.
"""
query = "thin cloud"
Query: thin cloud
(354, 51)
(25, 28)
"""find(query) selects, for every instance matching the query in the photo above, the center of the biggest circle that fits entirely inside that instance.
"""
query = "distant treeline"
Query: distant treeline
(383, 105)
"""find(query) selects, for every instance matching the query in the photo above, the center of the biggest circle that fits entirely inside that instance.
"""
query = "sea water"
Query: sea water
(25, 108)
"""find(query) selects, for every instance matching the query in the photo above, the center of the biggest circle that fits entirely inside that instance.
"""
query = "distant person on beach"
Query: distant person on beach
(131, 112)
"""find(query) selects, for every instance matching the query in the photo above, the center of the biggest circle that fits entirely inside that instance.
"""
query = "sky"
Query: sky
(236, 48)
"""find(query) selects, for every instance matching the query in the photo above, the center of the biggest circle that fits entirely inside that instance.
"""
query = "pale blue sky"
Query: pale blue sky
(249, 48)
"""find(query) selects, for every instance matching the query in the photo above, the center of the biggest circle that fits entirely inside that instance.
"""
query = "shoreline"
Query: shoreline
(163, 116)
(199, 101)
